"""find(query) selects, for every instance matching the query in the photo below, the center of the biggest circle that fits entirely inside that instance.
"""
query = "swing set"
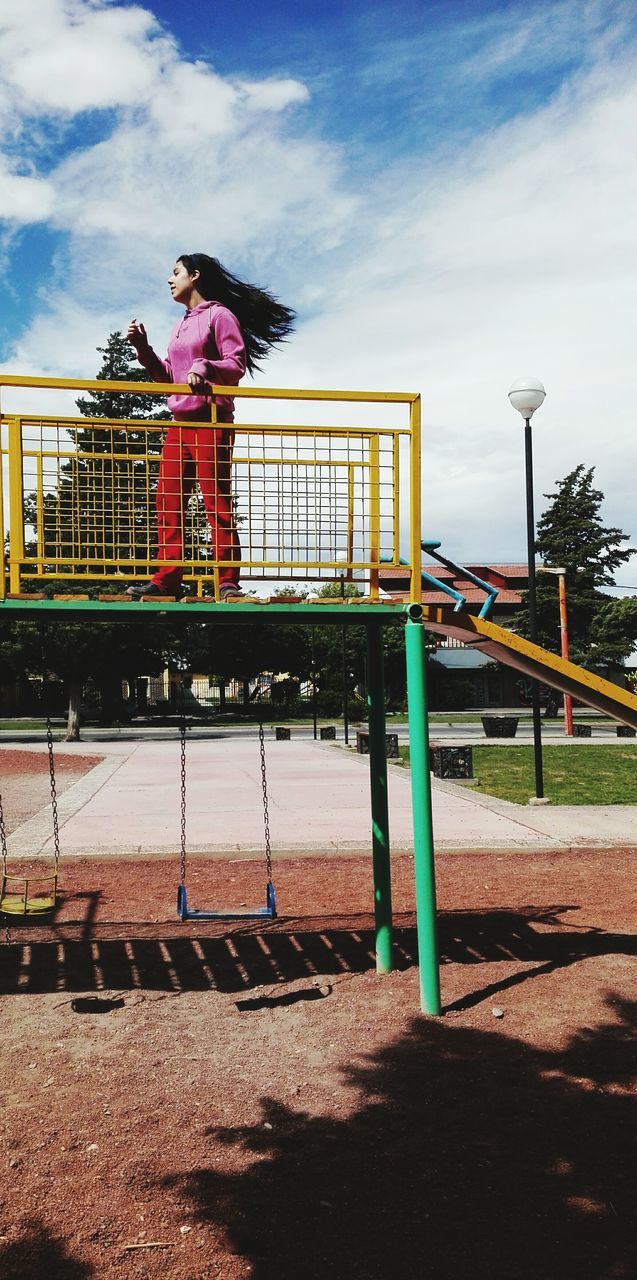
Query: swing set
(316, 500)
(268, 911)
(37, 895)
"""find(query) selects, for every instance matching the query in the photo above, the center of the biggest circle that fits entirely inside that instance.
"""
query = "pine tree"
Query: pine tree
(571, 534)
(99, 509)
(119, 365)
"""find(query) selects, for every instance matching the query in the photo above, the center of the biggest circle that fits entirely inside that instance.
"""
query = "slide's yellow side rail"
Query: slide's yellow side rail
(513, 650)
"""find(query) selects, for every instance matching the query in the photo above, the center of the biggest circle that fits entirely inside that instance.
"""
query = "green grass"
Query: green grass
(475, 717)
(572, 775)
(18, 725)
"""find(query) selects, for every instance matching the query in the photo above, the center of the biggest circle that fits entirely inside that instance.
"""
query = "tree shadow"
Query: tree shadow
(469, 1153)
(39, 1255)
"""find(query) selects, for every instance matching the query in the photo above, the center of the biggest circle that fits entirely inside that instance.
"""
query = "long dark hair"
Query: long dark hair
(263, 320)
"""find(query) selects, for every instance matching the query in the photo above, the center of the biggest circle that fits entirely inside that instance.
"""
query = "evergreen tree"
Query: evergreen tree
(571, 534)
(614, 631)
(99, 507)
(120, 365)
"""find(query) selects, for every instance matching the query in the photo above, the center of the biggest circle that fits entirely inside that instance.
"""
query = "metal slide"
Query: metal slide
(505, 646)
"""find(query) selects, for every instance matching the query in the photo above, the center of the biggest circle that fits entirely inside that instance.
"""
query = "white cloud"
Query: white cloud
(188, 157)
(273, 95)
(28, 198)
(549, 34)
(521, 257)
(192, 106)
(65, 56)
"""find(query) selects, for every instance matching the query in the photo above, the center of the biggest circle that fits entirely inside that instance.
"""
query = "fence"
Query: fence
(313, 500)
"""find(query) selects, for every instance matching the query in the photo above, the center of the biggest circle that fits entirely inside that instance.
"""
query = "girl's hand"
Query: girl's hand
(196, 382)
(136, 335)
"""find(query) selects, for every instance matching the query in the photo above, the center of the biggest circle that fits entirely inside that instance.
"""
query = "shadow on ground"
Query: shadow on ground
(470, 1155)
(466, 1154)
(245, 956)
(38, 1255)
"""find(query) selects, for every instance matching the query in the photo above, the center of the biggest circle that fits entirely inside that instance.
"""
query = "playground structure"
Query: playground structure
(80, 501)
(312, 502)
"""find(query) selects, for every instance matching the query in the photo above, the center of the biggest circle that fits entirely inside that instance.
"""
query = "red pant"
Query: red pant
(202, 453)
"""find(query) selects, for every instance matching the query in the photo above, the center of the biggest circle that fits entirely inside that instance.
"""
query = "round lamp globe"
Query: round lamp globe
(526, 395)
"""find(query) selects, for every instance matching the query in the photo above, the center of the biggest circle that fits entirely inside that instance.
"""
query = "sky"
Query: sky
(445, 191)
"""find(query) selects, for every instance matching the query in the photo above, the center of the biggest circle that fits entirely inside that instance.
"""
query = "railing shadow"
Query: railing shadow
(237, 958)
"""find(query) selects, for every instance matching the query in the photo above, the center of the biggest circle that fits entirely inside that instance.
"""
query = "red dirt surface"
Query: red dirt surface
(230, 1101)
(25, 785)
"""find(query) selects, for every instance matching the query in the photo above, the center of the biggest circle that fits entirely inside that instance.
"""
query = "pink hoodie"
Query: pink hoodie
(207, 341)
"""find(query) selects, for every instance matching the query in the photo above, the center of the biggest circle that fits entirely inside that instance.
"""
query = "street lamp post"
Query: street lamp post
(526, 395)
(560, 574)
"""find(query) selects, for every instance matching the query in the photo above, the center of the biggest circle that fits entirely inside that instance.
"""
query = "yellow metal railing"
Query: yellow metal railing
(312, 499)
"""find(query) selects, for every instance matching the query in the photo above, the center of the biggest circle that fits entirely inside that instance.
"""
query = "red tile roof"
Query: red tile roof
(509, 579)
(472, 595)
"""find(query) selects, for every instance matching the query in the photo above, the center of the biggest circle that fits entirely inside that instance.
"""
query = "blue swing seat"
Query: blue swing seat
(268, 912)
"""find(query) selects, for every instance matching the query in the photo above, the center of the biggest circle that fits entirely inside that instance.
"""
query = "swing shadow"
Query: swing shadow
(35, 922)
(236, 960)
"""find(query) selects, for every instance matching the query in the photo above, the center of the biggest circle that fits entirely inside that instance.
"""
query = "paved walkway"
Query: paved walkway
(319, 802)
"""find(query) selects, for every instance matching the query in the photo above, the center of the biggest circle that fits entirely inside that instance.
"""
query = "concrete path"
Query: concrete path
(318, 803)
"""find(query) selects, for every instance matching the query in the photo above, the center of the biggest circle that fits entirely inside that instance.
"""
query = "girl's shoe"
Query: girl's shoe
(140, 592)
(229, 592)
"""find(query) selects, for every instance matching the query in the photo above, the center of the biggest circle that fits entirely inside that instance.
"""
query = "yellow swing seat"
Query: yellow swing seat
(32, 895)
(28, 895)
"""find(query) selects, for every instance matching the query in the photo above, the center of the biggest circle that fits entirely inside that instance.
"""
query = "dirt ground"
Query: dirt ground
(224, 1100)
(25, 785)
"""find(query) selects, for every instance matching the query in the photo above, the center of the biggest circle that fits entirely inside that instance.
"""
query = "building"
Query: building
(489, 683)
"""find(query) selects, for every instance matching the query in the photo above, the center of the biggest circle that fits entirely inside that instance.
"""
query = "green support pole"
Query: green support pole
(378, 785)
(424, 865)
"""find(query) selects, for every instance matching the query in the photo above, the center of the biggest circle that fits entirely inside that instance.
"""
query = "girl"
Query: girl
(229, 326)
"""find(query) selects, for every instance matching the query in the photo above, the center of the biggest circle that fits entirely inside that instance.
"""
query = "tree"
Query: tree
(119, 365)
(74, 652)
(614, 631)
(97, 508)
(329, 655)
(571, 534)
(239, 652)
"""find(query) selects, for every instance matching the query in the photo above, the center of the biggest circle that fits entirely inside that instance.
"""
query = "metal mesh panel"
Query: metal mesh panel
(308, 502)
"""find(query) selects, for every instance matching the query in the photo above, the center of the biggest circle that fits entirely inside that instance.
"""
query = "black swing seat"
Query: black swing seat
(268, 912)
(28, 895)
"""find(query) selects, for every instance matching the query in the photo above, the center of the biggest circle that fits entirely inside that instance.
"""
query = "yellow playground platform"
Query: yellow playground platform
(337, 497)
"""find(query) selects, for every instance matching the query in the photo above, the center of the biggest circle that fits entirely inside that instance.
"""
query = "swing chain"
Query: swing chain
(182, 731)
(266, 818)
(3, 845)
(3, 838)
(54, 801)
